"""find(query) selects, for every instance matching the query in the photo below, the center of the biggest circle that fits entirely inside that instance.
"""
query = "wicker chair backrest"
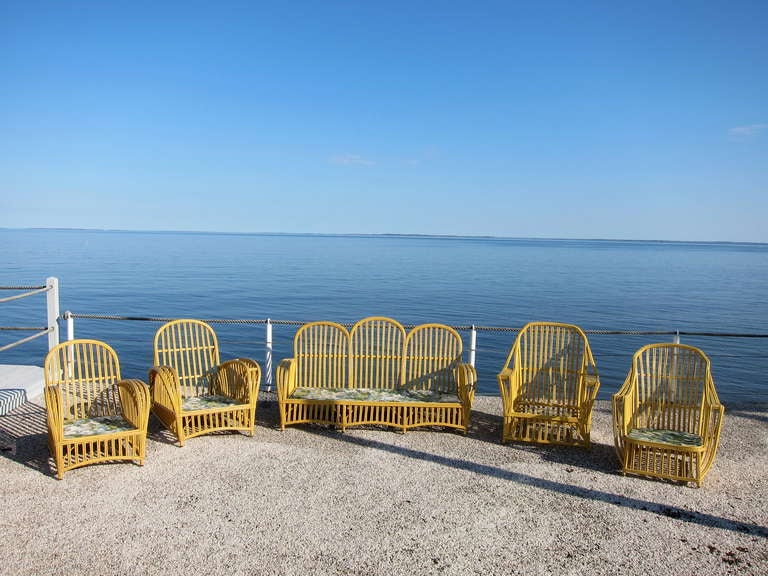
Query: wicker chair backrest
(551, 358)
(191, 348)
(670, 381)
(87, 373)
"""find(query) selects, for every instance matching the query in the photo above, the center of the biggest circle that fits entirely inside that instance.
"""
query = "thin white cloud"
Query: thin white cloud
(744, 132)
(351, 160)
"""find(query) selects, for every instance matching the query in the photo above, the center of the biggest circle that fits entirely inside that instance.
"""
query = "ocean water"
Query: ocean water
(601, 285)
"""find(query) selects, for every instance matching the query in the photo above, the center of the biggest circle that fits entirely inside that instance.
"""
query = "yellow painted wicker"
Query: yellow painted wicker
(93, 415)
(376, 373)
(193, 392)
(667, 417)
(548, 386)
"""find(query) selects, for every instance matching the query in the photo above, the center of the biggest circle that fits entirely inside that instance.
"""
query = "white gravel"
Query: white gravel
(312, 500)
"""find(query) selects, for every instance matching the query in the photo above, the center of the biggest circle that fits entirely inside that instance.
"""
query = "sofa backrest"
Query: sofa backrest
(376, 353)
(321, 352)
(432, 353)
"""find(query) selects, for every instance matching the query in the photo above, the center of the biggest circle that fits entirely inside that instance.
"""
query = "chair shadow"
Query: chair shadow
(597, 462)
(25, 438)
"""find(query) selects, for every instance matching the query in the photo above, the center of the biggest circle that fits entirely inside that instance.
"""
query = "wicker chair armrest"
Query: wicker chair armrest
(713, 421)
(164, 388)
(623, 402)
(286, 378)
(508, 386)
(135, 401)
(53, 408)
(466, 380)
(591, 387)
(238, 379)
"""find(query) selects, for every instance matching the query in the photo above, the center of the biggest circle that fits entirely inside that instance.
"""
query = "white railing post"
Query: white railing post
(676, 339)
(268, 357)
(70, 325)
(472, 345)
(52, 298)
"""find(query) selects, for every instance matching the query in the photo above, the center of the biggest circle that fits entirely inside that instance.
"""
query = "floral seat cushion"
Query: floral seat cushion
(373, 395)
(672, 437)
(206, 402)
(96, 425)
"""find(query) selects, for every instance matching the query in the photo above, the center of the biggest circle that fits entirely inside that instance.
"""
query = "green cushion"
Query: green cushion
(373, 395)
(97, 425)
(672, 437)
(206, 402)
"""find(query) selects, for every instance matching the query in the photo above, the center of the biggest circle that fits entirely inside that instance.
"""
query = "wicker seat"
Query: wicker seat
(667, 417)
(193, 393)
(548, 386)
(93, 415)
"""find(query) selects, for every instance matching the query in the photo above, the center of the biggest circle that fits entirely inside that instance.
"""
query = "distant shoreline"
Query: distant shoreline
(413, 236)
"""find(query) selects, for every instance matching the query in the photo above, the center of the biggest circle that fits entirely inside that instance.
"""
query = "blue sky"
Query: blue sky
(538, 119)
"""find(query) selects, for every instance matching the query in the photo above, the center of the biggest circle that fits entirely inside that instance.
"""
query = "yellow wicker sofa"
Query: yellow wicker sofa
(376, 373)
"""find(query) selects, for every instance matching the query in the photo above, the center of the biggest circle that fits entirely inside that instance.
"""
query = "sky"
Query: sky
(575, 119)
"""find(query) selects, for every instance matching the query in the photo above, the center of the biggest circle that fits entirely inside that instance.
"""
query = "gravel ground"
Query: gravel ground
(311, 500)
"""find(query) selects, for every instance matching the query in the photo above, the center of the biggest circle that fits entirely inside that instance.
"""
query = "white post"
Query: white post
(472, 345)
(52, 299)
(676, 339)
(268, 357)
(70, 326)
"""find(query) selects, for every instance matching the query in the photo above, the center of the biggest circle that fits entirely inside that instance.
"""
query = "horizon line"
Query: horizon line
(414, 235)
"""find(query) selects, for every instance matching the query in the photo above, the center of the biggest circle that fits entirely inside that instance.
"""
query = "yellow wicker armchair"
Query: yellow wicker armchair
(193, 392)
(667, 416)
(93, 415)
(548, 386)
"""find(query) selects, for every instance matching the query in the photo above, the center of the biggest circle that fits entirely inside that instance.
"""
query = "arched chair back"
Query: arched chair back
(321, 351)
(191, 348)
(377, 353)
(432, 354)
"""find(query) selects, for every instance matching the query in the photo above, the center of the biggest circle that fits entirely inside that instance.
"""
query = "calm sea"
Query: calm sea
(606, 285)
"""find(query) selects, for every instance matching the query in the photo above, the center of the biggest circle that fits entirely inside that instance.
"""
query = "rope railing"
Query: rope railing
(43, 332)
(463, 327)
(51, 289)
(31, 291)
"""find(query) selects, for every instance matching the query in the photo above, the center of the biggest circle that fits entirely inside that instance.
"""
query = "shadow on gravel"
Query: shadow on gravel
(674, 512)
(24, 437)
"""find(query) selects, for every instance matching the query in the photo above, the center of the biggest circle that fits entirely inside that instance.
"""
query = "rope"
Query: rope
(459, 327)
(27, 339)
(22, 287)
(27, 328)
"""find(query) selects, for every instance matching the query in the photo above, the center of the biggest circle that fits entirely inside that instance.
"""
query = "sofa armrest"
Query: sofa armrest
(286, 378)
